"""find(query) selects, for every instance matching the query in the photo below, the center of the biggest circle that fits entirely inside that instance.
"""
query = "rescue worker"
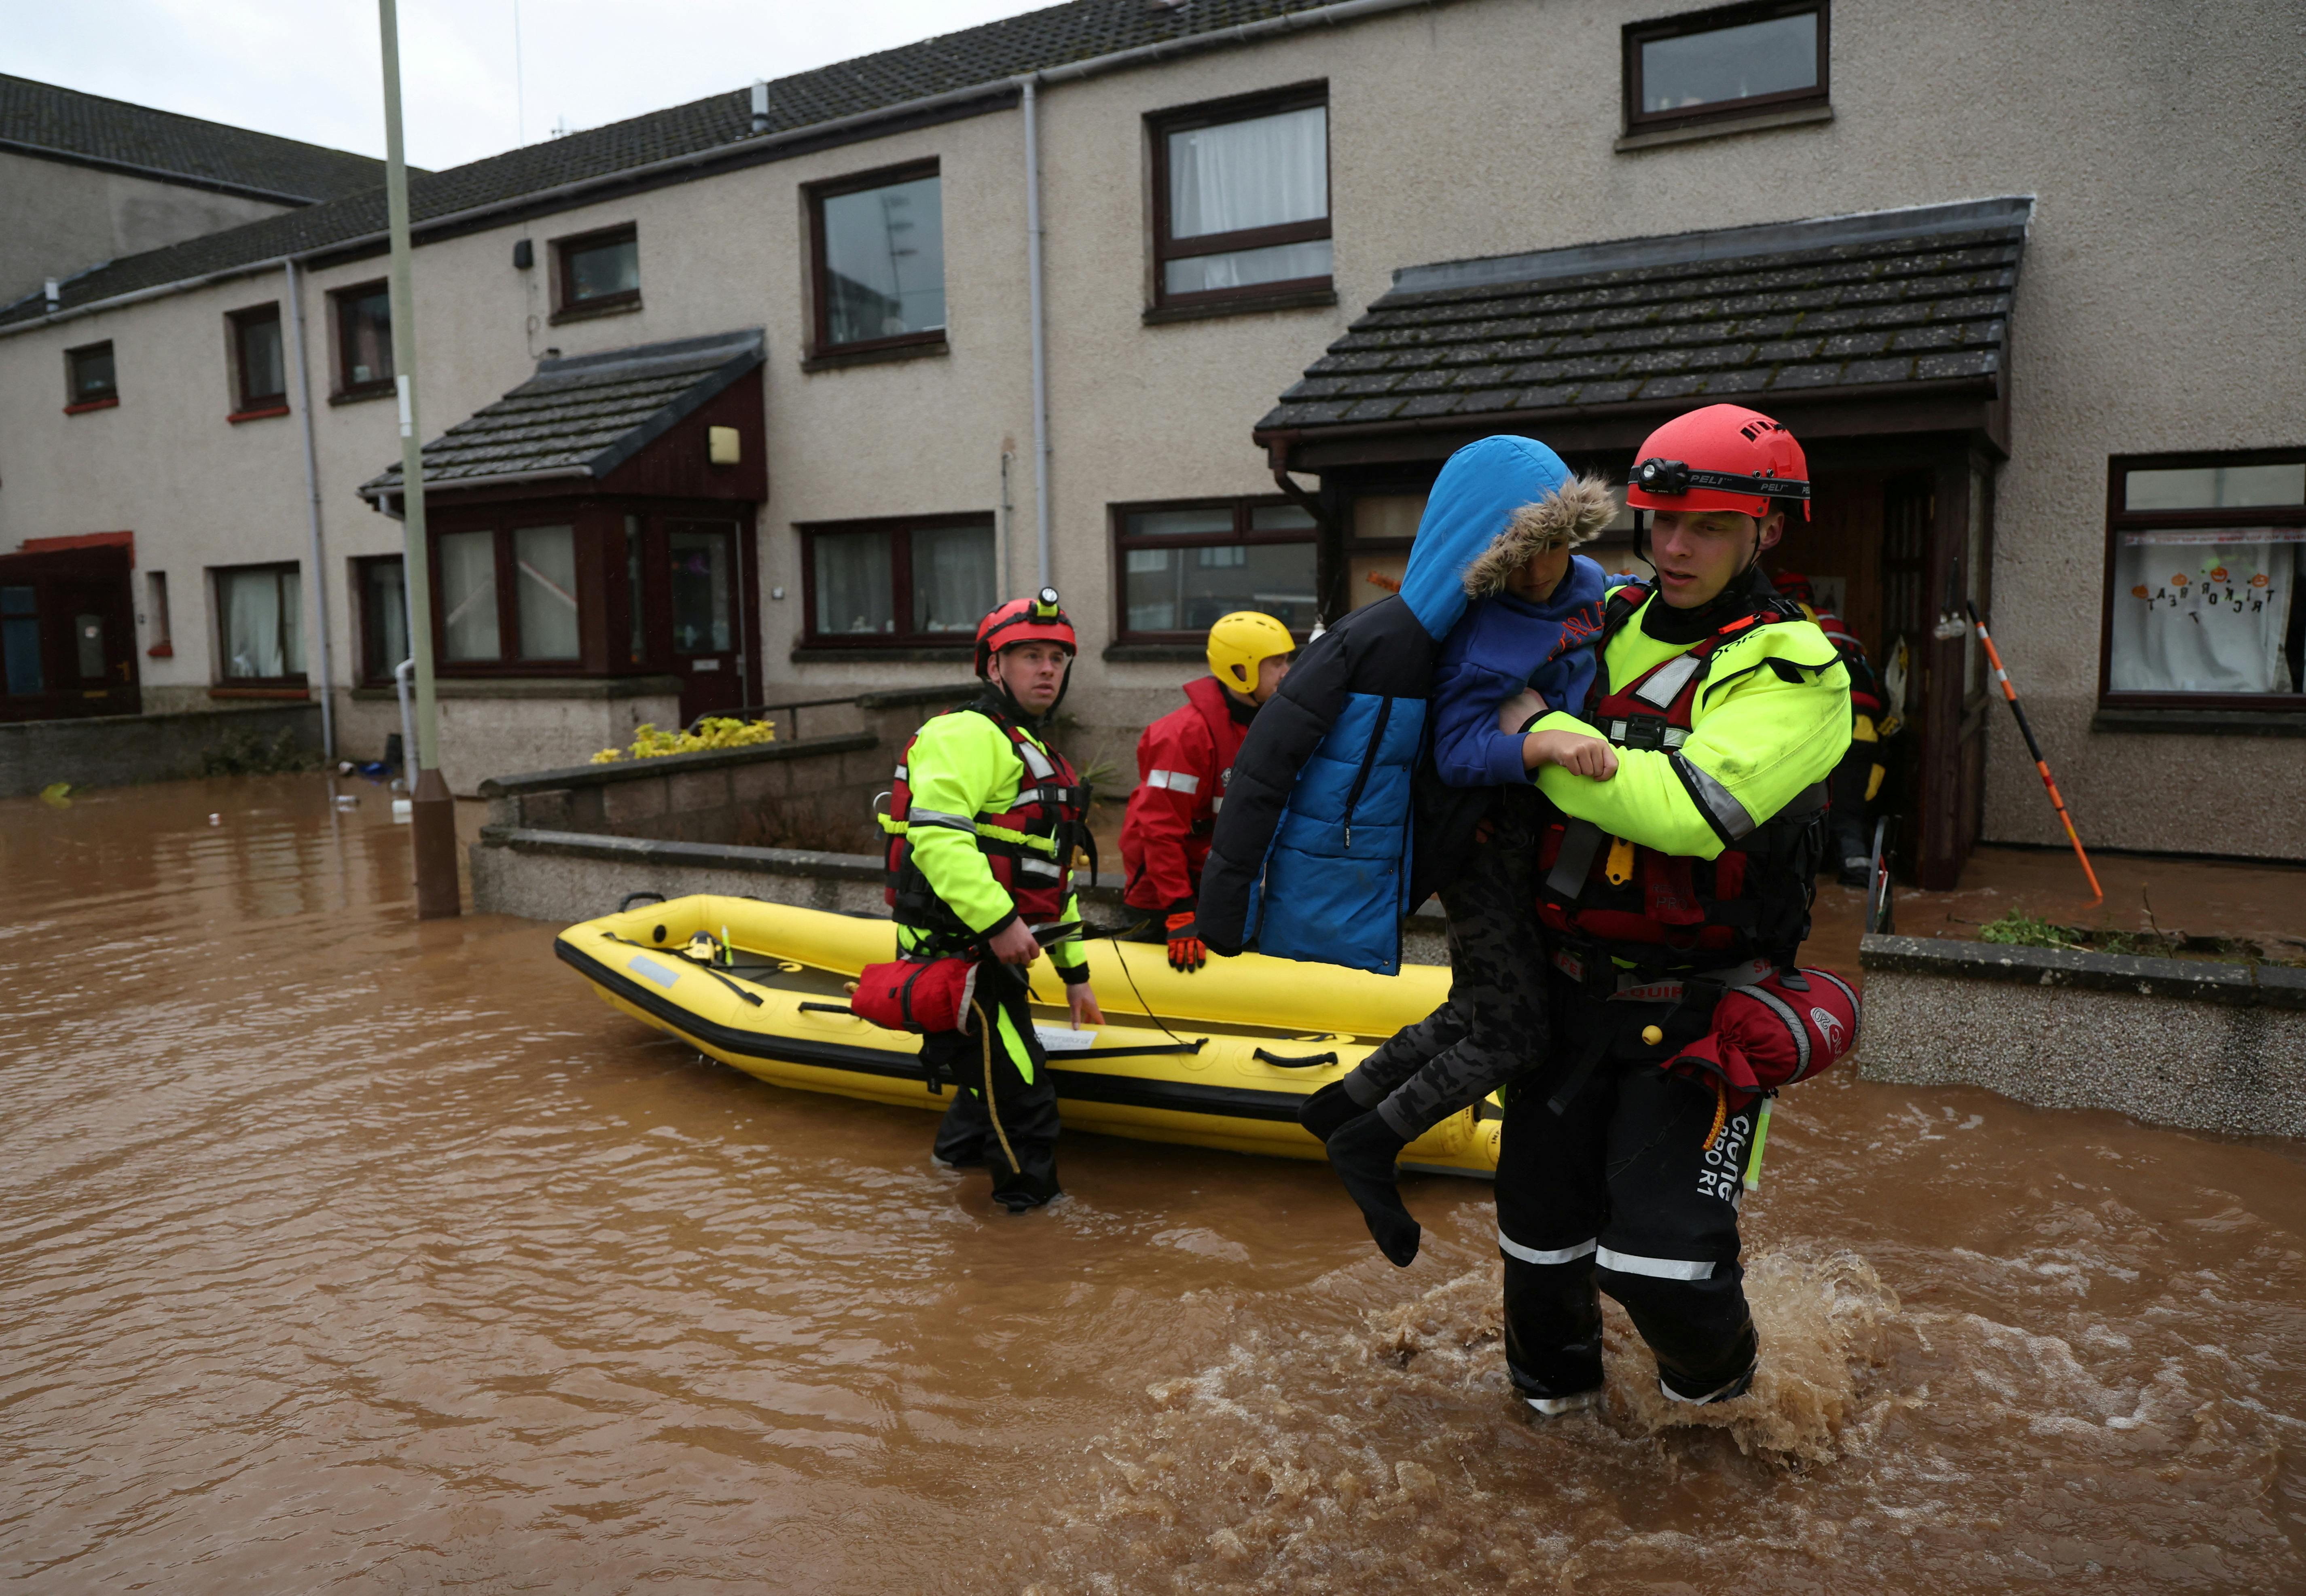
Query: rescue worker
(1682, 871)
(984, 823)
(1857, 779)
(1185, 760)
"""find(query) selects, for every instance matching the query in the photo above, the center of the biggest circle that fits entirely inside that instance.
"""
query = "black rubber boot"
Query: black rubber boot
(1362, 1151)
(1328, 1108)
(1022, 1190)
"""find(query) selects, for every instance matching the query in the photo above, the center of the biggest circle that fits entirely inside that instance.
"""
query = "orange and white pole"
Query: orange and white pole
(1994, 658)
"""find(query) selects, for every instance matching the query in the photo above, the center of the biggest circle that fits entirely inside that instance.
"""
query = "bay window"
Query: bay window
(508, 595)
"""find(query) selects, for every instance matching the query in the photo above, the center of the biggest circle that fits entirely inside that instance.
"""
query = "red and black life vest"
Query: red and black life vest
(1029, 846)
(1604, 898)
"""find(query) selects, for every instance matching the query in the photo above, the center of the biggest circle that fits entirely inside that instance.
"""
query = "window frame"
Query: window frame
(246, 406)
(340, 303)
(220, 635)
(1121, 541)
(503, 529)
(2120, 519)
(565, 305)
(73, 404)
(899, 529)
(369, 641)
(1634, 35)
(1217, 113)
(820, 322)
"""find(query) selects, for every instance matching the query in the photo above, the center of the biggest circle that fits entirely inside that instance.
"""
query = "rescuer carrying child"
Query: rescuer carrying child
(984, 823)
(1184, 761)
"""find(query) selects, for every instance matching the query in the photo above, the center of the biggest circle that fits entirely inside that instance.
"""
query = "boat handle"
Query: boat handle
(1311, 1062)
(632, 898)
(828, 1009)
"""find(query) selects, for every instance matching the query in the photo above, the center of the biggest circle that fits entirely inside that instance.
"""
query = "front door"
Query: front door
(702, 585)
(67, 635)
(99, 651)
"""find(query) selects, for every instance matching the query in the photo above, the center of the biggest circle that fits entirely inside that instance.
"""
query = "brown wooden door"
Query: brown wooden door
(702, 588)
(1935, 555)
(98, 646)
(67, 635)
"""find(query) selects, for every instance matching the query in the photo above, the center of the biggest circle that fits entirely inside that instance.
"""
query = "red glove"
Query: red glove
(1187, 952)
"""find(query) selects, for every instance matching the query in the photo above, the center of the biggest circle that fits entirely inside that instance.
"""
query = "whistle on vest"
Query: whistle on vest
(1619, 869)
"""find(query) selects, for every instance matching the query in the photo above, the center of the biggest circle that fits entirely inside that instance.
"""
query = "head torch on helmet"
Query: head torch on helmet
(1671, 479)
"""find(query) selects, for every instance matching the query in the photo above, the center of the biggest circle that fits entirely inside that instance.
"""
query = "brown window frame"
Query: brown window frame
(820, 334)
(221, 634)
(73, 404)
(370, 641)
(565, 305)
(1240, 107)
(340, 303)
(2119, 520)
(1117, 520)
(247, 405)
(899, 530)
(1649, 31)
(504, 529)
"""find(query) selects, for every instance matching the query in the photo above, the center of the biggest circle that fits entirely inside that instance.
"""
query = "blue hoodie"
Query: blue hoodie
(1313, 858)
(1504, 644)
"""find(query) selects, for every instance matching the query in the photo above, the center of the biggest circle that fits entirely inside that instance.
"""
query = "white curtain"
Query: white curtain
(261, 611)
(468, 595)
(1255, 174)
(2203, 611)
(546, 561)
(952, 578)
(851, 570)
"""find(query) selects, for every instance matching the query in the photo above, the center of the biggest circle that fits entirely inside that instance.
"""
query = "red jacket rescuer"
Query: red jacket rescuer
(1184, 762)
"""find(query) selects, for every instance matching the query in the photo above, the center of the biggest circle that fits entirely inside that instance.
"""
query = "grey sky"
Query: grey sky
(308, 68)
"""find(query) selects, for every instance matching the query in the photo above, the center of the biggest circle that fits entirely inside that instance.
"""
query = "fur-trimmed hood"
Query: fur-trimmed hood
(1574, 513)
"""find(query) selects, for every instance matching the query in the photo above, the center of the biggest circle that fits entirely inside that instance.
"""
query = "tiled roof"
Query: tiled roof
(1038, 40)
(585, 415)
(1905, 298)
(45, 117)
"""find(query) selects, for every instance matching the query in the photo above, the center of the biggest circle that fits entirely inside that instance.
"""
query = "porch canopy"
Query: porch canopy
(1890, 321)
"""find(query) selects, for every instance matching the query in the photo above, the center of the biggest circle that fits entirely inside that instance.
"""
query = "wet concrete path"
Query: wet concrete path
(345, 1253)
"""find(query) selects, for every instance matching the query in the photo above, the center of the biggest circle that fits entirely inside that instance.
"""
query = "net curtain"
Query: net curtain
(260, 610)
(1256, 174)
(2196, 616)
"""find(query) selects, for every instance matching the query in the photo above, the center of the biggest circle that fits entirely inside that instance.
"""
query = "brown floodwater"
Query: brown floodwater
(345, 1253)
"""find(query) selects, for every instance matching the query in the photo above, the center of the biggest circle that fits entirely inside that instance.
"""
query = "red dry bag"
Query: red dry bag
(1772, 1035)
(922, 995)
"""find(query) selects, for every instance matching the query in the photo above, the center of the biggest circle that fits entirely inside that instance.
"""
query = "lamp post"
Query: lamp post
(433, 810)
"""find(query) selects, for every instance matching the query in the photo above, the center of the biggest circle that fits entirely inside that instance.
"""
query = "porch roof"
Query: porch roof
(583, 415)
(1895, 306)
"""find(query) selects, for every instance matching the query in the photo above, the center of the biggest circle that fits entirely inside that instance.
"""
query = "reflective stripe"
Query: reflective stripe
(900, 773)
(1730, 816)
(1664, 685)
(1037, 868)
(1531, 1255)
(1175, 781)
(1792, 1022)
(1656, 1269)
(1217, 806)
(1035, 761)
(958, 822)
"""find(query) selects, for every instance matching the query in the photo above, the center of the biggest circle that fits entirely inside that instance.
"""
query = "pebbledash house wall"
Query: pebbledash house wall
(2156, 310)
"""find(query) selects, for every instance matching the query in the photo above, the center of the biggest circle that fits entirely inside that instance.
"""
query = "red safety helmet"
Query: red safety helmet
(1037, 619)
(1794, 585)
(1722, 458)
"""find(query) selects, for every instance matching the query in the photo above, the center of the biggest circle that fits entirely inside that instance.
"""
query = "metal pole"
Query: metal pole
(433, 810)
(1040, 338)
(1993, 657)
(313, 493)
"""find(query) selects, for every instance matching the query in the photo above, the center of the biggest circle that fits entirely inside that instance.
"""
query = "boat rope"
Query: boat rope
(984, 1031)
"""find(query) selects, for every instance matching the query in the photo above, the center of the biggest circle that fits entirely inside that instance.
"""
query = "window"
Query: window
(381, 586)
(911, 583)
(1240, 199)
(260, 616)
(20, 642)
(155, 614)
(600, 271)
(877, 243)
(1730, 62)
(1185, 565)
(260, 376)
(88, 381)
(536, 568)
(364, 341)
(2203, 555)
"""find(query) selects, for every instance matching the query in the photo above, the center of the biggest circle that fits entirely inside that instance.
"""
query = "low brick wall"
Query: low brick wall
(124, 750)
(2195, 1044)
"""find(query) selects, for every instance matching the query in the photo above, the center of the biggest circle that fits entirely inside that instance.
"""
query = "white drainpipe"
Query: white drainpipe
(319, 653)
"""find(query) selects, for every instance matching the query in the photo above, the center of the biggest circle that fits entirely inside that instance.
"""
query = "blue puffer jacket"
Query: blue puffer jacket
(1314, 856)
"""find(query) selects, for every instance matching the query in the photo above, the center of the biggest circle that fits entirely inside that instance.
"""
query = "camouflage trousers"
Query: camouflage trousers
(1495, 1024)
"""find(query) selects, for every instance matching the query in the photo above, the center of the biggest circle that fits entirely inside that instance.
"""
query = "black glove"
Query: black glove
(1325, 1110)
(1362, 1151)
(1187, 952)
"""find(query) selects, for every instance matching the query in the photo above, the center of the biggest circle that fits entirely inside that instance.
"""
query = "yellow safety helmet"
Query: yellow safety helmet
(1239, 642)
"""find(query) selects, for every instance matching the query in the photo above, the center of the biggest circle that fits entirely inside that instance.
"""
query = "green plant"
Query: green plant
(2018, 929)
(244, 754)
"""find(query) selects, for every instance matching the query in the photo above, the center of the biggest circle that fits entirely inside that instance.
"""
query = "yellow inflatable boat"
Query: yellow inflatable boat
(1220, 1058)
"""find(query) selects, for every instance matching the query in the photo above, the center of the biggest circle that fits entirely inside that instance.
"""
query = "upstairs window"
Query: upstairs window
(600, 271)
(2202, 560)
(1185, 565)
(259, 374)
(877, 265)
(1240, 199)
(364, 341)
(89, 382)
(911, 583)
(1730, 63)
